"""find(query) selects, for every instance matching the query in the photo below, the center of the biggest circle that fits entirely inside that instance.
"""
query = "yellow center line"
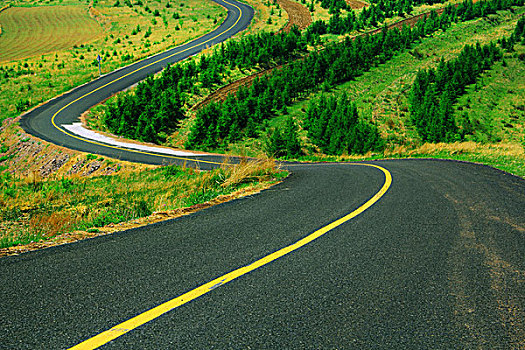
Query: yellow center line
(133, 72)
(147, 316)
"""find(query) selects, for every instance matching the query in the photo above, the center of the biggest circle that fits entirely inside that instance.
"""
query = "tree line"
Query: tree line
(138, 116)
(377, 12)
(380, 10)
(517, 36)
(155, 107)
(241, 115)
(435, 90)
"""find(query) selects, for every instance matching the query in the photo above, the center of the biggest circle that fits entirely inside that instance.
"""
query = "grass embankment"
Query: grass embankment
(64, 41)
(73, 207)
(494, 104)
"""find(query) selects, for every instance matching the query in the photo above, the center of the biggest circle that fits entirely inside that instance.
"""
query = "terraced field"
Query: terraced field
(33, 31)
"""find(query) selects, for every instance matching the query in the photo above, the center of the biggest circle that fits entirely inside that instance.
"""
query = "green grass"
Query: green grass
(263, 11)
(34, 209)
(495, 105)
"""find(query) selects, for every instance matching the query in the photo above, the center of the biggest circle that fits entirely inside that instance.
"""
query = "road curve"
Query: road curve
(47, 121)
(436, 262)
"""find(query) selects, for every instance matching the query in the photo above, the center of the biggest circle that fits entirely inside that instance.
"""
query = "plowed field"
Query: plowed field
(38, 30)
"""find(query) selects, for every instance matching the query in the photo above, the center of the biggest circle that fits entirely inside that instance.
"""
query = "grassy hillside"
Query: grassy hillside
(36, 209)
(493, 106)
(51, 195)
(65, 37)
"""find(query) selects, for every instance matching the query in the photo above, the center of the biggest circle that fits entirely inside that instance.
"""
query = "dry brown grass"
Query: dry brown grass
(261, 15)
(247, 170)
(500, 149)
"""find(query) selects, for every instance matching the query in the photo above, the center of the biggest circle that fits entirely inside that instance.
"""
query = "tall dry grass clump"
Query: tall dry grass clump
(249, 169)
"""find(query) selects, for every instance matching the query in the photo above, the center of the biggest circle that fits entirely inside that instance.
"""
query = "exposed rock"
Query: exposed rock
(53, 165)
(77, 167)
(92, 167)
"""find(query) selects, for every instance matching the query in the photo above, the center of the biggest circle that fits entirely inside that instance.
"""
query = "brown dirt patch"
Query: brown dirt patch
(356, 4)
(298, 15)
(26, 155)
(222, 93)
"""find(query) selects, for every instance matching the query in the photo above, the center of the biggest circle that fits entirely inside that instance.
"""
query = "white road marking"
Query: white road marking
(78, 129)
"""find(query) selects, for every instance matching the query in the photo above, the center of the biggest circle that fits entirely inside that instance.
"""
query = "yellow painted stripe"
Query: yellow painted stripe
(151, 314)
(133, 72)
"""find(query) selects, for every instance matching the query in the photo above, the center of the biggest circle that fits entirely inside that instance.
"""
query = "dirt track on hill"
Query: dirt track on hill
(298, 15)
(356, 4)
(222, 93)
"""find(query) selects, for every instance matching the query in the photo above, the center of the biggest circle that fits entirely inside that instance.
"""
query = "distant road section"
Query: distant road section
(46, 121)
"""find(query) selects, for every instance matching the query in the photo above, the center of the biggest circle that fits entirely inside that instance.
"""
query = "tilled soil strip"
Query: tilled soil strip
(298, 15)
(356, 4)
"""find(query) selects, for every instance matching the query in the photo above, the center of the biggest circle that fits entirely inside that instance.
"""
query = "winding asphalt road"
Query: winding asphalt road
(426, 254)
(47, 121)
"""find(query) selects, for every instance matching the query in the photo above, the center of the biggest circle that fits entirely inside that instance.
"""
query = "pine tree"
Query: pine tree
(293, 146)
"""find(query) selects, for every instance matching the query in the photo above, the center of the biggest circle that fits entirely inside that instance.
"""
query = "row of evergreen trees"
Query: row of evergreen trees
(517, 36)
(219, 124)
(436, 90)
(149, 115)
(369, 16)
(262, 49)
(155, 107)
(380, 10)
(333, 124)
(283, 142)
(139, 115)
